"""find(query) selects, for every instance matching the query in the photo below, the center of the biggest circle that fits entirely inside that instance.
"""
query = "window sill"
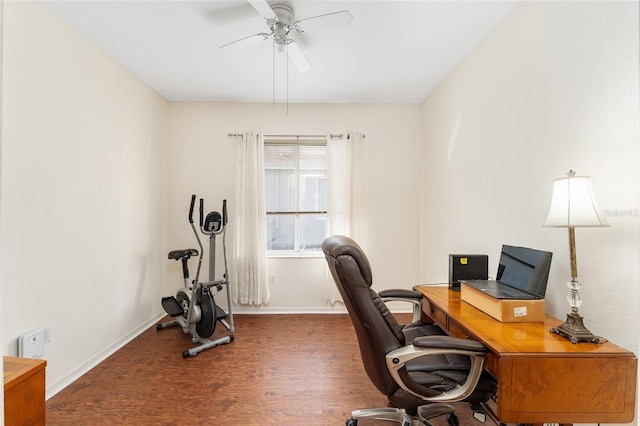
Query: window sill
(294, 255)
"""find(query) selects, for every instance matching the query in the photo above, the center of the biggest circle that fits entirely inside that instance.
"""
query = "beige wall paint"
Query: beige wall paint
(202, 162)
(83, 188)
(1, 275)
(555, 87)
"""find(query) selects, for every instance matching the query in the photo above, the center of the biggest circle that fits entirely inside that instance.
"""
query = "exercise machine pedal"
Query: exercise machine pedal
(220, 313)
(172, 307)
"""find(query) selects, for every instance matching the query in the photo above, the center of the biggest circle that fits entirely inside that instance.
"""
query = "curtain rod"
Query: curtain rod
(296, 137)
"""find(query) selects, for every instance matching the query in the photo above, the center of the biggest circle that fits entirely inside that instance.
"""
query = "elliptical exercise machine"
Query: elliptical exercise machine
(194, 307)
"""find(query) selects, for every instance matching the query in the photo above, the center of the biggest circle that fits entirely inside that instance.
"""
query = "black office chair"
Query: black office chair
(417, 367)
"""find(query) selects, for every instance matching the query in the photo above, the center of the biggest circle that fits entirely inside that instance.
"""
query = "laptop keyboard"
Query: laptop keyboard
(513, 291)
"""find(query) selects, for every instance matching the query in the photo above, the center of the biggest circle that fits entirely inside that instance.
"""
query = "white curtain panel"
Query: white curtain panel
(249, 259)
(344, 194)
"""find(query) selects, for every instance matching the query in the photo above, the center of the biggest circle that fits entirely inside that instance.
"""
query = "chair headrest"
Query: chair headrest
(340, 245)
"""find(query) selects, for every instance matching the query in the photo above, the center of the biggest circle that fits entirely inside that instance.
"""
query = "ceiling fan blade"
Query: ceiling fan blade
(263, 8)
(297, 56)
(329, 21)
(244, 42)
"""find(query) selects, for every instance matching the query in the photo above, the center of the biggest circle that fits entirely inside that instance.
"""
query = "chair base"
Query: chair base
(398, 415)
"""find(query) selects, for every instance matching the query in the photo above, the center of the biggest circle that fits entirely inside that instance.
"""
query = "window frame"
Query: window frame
(297, 141)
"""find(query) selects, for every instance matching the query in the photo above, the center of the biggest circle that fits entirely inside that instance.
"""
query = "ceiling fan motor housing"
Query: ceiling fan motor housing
(282, 26)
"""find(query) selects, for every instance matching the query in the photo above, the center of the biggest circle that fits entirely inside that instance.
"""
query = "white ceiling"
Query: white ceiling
(395, 51)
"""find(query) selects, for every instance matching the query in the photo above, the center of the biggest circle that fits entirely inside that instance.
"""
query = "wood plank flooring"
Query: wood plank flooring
(279, 370)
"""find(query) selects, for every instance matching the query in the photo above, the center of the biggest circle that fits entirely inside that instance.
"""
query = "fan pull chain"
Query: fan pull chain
(273, 73)
(287, 53)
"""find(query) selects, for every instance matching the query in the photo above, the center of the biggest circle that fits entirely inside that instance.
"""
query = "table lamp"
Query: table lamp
(573, 205)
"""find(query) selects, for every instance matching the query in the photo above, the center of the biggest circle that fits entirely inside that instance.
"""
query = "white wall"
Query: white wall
(202, 162)
(555, 87)
(1, 280)
(84, 207)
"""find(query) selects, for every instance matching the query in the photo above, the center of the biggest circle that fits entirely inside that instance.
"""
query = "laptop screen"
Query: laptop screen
(524, 268)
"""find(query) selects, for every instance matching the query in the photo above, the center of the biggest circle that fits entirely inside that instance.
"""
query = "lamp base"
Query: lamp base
(574, 330)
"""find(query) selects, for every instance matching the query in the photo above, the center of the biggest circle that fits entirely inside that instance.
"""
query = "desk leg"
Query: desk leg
(488, 410)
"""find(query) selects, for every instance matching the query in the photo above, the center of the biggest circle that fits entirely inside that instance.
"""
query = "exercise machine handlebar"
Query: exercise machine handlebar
(201, 212)
(193, 202)
(224, 212)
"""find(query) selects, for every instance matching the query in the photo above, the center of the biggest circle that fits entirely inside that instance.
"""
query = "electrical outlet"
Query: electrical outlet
(272, 280)
(46, 334)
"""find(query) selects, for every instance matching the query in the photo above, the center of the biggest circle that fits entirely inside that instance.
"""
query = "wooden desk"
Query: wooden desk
(542, 377)
(24, 391)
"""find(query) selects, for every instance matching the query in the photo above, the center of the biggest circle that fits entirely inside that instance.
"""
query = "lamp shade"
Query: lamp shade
(573, 203)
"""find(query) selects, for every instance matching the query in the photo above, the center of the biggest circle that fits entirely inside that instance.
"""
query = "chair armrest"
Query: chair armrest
(400, 293)
(404, 295)
(448, 342)
(436, 345)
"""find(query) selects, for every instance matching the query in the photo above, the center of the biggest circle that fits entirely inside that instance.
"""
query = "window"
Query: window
(296, 196)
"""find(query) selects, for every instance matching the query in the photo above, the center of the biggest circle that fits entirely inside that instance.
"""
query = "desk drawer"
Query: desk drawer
(491, 364)
(491, 360)
(456, 330)
(436, 314)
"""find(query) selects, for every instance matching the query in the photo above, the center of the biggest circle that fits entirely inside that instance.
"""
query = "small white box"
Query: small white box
(31, 345)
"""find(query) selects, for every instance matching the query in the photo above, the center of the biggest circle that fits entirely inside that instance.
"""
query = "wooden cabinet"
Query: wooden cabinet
(24, 391)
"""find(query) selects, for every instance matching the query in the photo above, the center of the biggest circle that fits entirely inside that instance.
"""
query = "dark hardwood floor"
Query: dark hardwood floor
(279, 370)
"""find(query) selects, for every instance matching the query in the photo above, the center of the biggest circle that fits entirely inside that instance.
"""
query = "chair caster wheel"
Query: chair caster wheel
(452, 420)
(158, 326)
(186, 354)
(351, 422)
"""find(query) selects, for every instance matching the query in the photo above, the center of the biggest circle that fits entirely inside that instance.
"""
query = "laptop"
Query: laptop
(522, 274)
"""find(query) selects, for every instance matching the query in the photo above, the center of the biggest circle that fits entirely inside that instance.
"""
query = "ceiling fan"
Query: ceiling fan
(281, 21)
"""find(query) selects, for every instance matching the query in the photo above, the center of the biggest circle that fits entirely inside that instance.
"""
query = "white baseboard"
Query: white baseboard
(248, 310)
(75, 374)
(242, 310)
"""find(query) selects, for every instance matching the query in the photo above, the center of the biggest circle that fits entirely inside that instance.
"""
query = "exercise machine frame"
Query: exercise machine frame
(194, 307)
